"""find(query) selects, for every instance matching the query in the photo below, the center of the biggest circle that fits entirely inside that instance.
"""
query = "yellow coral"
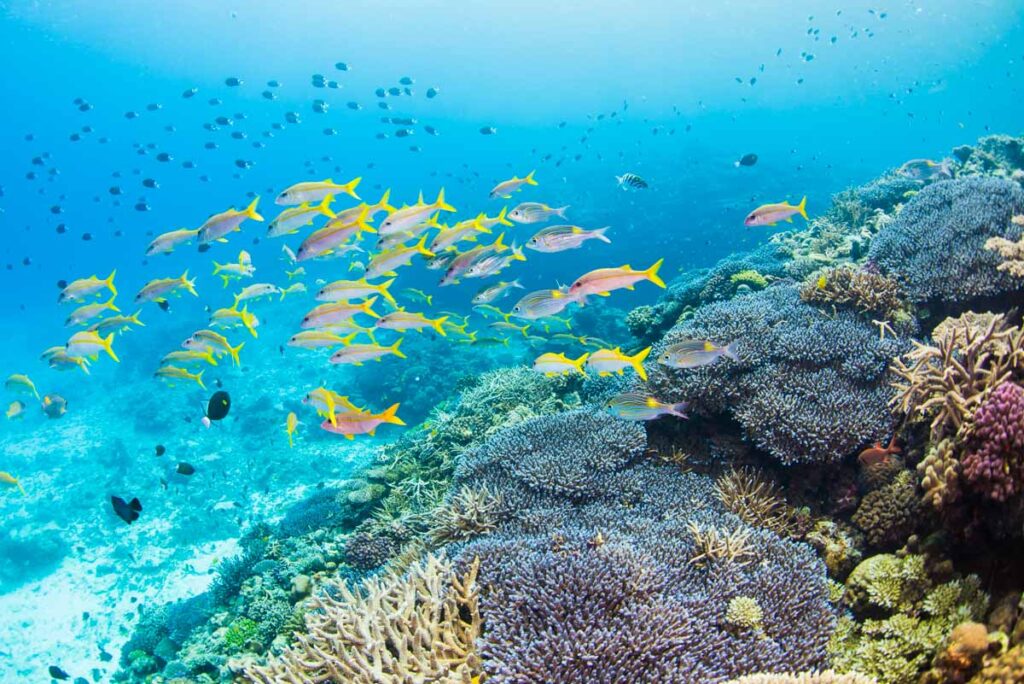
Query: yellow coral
(749, 277)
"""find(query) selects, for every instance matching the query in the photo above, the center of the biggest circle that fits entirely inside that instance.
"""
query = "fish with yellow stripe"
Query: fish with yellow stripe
(172, 373)
(551, 364)
(84, 287)
(219, 225)
(315, 191)
(357, 354)
(362, 423)
(608, 361)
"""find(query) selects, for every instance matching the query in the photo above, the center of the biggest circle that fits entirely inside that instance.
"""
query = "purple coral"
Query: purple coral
(994, 461)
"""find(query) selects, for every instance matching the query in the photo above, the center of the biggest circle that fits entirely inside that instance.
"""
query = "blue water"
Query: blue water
(827, 94)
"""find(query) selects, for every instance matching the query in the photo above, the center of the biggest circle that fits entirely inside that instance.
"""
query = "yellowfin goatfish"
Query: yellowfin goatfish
(492, 293)
(607, 361)
(505, 325)
(404, 219)
(315, 191)
(332, 312)
(770, 214)
(290, 424)
(88, 343)
(116, 324)
(87, 312)
(493, 264)
(327, 402)
(561, 238)
(603, 280)
(351, 424)
(83, 287)
(346, 216)
(10, 480)
(177, 373)
(558, 364)
(219, 225)
(15, 409)
(543, 303)
(441, 261)
(331, 236)
(356, 354)
(166, 242)
(504, 189)
(187, 356)
(418, 296)
(242, 269)
(294, 288)
(448, 237)
(313, 339)
(63, 361)
(291, 219)
(256, 291)
(406, 320)
(462, 263)
(226, 317)
(385, 263)
(205, 339)
(342, 290)
(535, 212)
(489, 222)
(22, 384)
(157, 290)
(696, 353)
(300, 271)
(636, 406)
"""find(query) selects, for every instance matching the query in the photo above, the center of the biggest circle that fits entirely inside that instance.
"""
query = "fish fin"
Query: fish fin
(189, 285)
(108, 348)
(325, 207)
(350, 187)
(802, 208)
(390, 415)
(383, 203)
(529, 179)
(501, 218)
(637, 362)
(109, 282)
(110, 305)
(652, 273)
(366, 307)
(199, 378)
(600, 234)
(730, 350)
(441, 204)
(578, 363)
(234, 353)
(394, 349)
(789, 219)
(561, 211)
(439, 326)
(421, 246)
(250, 210)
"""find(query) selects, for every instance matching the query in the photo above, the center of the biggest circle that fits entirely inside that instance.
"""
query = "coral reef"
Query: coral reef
(466, 514)
(755, 500)
(936, 246)
(861, 290)
(993, 463)
(420, 625)
(1006, 668)
(809, 388)
(826, 677)
(887, 516)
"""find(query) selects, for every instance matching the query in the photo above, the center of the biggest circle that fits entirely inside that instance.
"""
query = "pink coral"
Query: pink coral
(994, 461)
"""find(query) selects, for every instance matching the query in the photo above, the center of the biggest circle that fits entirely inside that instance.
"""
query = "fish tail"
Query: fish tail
(250, 210)
(600, 234)
(529, 179)
(350, 187)
(325, 206)
(430, 300)
(210, 358)
(679, 409)
(731, 350)
(579, 363)
(652, 273)
(498, 245)
(394, 349)
(421, 246)
(802, 208)
(110, 304)
(291, 444)
(234, 353)
(561, 211)
(383, 203)
(637, 362)
(199, 379)
(441, 204)
(390, 415)
(109, 282)
(524, 330)
(383, 290)
(109, 349)
(501, 217)
(217, 268)
(134, 318)
(365, 307)
(439, 325)
(189, 285)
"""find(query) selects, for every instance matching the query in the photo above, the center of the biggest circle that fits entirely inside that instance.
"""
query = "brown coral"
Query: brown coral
(754, 500)
(712, 545)
(889, 515)
(467, 514)
(961, 657)
(940, 472)
(388, 630)
(1007, 668)
(1012, 253)
(863, 291)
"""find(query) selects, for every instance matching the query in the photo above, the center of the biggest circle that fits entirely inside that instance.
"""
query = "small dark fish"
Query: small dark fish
(127, 511)
(341, 66)
(165, 305)
(233, 82)
(274, 84)
(150, 183)
(432, 92)
(406, 81)
(62, 283)
(185, 469)
(161, 450)
(488, 130)
(631, 180)
(190, 93)
(58, 673)
(218, 406)
(746, 160)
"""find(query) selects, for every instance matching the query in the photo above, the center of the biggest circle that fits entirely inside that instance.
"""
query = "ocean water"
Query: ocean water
(101, 152)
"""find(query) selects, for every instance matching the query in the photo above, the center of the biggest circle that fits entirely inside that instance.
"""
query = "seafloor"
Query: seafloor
(521, 534)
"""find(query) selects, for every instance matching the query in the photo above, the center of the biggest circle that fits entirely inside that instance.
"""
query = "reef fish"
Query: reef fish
(219, 225)
(156, 290)
(607, 361)
(926, 169)
(15, 409)
(561, 238)
(11, 481)
(290, 424)
(404, 219)
(126, 510)
(21, 383)
(356, 354)
(504, 189)
(292, 218)
(770, 214)
(83, 287)
(551, 364)
(631, 181)
(877, 453)
(696, 353)
(636, 406)
(351, 424)
(494, 292)
(334, 312)
(343, 290)
(315, 191)
(535, 212)
(407, 320)
(543, 303)
(88, 343)
(166, 242)
(603, 280)
(54, 406)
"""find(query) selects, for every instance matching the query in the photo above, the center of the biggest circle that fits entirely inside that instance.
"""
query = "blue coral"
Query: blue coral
(810, 387)
(936, 246)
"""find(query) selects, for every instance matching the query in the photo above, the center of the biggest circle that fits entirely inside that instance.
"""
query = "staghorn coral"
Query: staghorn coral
(993, 461)
(935, 248)
(889, 515)
(388, 630)
(863, 291)
(809, 388)
(467, 514)
(756, 501)
(826, 677)
(953, 328)
(1011, 252)
(713, 545)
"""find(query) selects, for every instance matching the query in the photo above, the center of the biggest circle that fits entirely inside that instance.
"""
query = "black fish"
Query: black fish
(164, 304)
(127, 511)
(161, 450)
(185, 469)
(746, 160)
(58, 673)
(218, 406)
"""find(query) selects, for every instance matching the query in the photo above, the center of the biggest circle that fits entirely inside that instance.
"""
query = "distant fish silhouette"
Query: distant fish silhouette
(127, 511)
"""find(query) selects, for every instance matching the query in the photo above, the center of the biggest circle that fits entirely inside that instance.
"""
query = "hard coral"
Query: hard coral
(1007, 668)
(827, 677)
(388, 630)
(888, 516)
(466, 514)
(863, 291)
(993, 464)
(935, 248)
(756, 501)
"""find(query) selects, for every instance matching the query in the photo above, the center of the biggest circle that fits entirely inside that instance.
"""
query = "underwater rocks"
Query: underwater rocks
(936, 246)
(809, 387)
(1001, 156)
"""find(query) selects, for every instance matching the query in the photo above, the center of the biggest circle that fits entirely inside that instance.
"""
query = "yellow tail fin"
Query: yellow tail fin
(110, 305)
(210, 358)
(802, 208)
(325, 206)
(578, 363)
(351, 186)
(441, 204)
(365, 307)
(389, 415)
(421, 246)
(637, 362)
(652, 273)
(529, 179)
(134, 318)
(383, 289)
(394, 349)
(383, 203)
(109, 282)
(199, 379)
(189, 285)
(439, 325)
(250, 210)
(501, 216)
(109, 349)
(234, 353)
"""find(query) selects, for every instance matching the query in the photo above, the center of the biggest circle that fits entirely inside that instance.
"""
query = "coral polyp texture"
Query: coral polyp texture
(810, 386)
(993, 464)
(936, 246)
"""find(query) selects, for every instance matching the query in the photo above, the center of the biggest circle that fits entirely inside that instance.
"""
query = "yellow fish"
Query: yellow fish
(505, 189)
(290, 424)
(558, 364)
(8, 479)
(177, 373)
(116, 324)
(88, 343)
(188, 356)
(315, 191)
(326, 403)
(83, 287)
(608, 361)
(21, 383)
(87, 312)
(16, 409)
(219, 225)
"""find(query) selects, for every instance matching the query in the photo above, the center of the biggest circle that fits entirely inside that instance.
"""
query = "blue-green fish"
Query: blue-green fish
(636, 406)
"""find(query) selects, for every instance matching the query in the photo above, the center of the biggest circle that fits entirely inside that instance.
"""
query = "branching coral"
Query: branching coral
(744, 612)
(827, 677)
(861, 290)
(1011, 252)
(467, 514)
(755, 500)
(940, 474)
(388, 630)
(712, 545)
